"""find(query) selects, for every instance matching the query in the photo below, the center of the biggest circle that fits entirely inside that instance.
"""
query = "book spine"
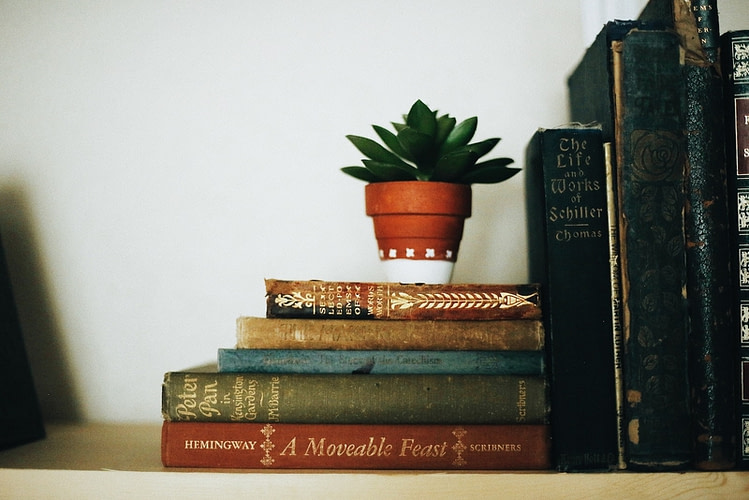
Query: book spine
(617, 334)
(20, 413)
(381, 362)
(705, 14)
(711, 310)
(329, 446)
(568, 225)
(735, 63)
(650, 94)
(295, 333)
(383, 301)
(354, 399)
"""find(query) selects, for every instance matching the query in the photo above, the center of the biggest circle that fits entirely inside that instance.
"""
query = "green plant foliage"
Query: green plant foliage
(428, 147)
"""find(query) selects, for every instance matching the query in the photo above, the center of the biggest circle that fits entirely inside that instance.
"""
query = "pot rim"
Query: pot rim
(418, 197)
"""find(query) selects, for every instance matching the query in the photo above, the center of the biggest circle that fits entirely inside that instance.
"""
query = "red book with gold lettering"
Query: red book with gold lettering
(400, 301)
(342, 446)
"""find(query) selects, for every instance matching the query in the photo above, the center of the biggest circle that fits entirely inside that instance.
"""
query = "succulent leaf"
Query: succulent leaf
(392, 142)
(452, 166)
(461, 135)
(483, 147)
(398, 126)
(390, 171)
(489, 172)
(374, 150)
(361, 173)
(421, 118)
(417, 144)
(445, 125)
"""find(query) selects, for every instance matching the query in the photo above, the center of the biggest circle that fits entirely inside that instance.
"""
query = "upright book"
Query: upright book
(569, 254)
(362, 334)
(391, 301)
(735, 62)
(354, 399)
(328, 446)
(20, 415)
(631, 80)
(711, 310)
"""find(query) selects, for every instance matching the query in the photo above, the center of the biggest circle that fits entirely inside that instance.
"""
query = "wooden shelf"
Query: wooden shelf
(122, 461)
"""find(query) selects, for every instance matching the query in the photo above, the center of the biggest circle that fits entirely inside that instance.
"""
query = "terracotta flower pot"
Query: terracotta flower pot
(418, 226)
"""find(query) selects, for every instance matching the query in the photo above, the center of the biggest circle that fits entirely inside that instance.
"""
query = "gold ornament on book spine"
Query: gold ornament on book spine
(467, 300)
(459, 447)
(267, 445)
(295, 300)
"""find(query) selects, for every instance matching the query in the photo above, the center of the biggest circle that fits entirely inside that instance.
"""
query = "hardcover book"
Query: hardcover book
(711, 309)
(326, 446)
(631, 80)
(381, 362)
(20, 415)
(354, 399)
(735, 62)
(344, 334)
(389, 301)
(569, 254)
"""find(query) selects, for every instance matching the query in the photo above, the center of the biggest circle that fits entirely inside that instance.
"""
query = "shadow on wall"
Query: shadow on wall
(41, 332)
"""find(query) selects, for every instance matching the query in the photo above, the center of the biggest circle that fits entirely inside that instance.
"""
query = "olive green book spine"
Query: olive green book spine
(354, 399)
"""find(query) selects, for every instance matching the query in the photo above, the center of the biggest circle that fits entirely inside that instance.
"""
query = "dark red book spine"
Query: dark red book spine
(331, 446)
(400, 301)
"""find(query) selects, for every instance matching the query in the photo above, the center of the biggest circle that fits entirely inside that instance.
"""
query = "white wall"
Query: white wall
(158, 159)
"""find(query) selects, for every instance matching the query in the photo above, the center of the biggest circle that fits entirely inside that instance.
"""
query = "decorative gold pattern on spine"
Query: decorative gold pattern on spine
(465, 300)
(459, 448)
(267, 445)
(295, 300)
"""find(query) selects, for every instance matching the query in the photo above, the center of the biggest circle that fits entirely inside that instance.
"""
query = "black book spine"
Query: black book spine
(569, 255)
(20, 415)
(735, 66)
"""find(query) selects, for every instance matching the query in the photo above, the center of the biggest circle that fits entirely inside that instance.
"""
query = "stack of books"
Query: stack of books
(343, 375)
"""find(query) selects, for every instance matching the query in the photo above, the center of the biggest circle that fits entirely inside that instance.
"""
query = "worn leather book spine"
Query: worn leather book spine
(711, 310)
(569, 255)
(383, 301)
(650, 90)
(343, 334)
(354, 398)
(711, 336)
(631, 80)
(735, 65)
(381, 362)
(329, 446)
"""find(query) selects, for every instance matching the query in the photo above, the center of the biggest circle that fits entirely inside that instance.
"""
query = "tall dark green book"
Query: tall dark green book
(735, 62)
(20, 416)
(569, 254)
(711, 310)
(631, 80)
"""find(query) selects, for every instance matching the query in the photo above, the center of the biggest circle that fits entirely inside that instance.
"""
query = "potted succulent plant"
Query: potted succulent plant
(419, 190)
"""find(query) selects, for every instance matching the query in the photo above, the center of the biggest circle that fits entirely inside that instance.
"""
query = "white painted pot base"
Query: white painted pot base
(418, 271)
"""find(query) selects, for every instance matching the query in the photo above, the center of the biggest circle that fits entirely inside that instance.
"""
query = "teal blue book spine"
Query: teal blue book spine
(385, 362)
